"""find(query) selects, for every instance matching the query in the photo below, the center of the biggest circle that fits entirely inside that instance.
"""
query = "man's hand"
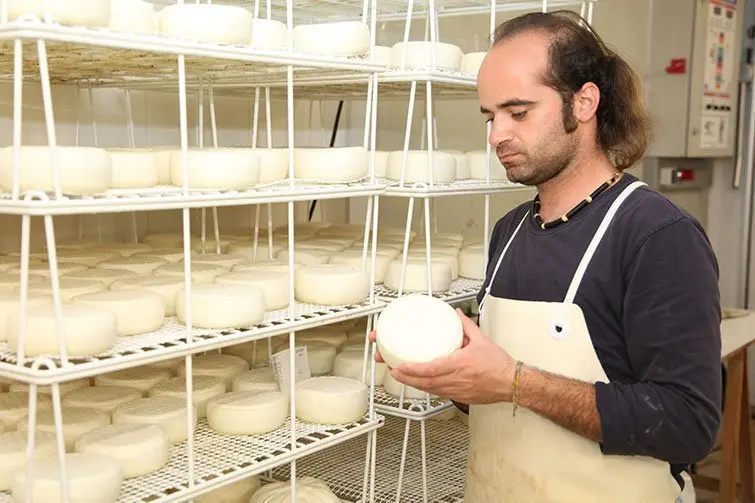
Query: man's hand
(480, 372)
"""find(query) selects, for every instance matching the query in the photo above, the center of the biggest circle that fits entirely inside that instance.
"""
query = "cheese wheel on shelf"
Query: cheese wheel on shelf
(462, 164)
(307, 257)
(331, 284)
(164, 286)
(389, 251)
(247, 412)
(258, 379)
(89, 258)
(273, 161)
(69, 288)
(331, 400)
(82, 170)
(164, 240)
(8, 261)
(313, 244)
(450, 260)
(216, 169)
(308, 489)
(419, 55)
(320, 355)
(266, 265)
(137, 265)
(471, 62)
(329, 334)
(136, 311)
(220, 24)
(415, 277)
(169, 365)
(344, 38)
(269, 34)
(478, 166)
(225, 367)
(92, 14)
(170, 255)
(102, 398)
(418, 168)
(141, 379)
(442, 238)
(10, 303)
(14, 406)
(106, 277)
(10, 281)
(134, 16)
(133, 169)
(238, 492)
(13, 454)
(43, 269)
(140, 449)
(472, 263)
(210, 245)
(76, 422)
(254, 352)
(64, 387)
(204, 388)
(353, 259)
(226, 260)
(88, 331)
(201, 274)
(274, 284)
(246, 248)
(89, 478)
(417, 329)
(335, 164)
(166, 412)
(122, 249)
(350, 364)
(382, 56)
(222, 306)
(393, 387)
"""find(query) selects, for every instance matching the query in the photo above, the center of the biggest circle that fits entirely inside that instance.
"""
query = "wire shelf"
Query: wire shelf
(170, 342)
(461, 290)
(458, 188)
(220, 460)
(341, 467)
(416, 409)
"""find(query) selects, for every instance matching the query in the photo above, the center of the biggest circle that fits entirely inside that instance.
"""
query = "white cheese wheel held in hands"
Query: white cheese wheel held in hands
(136, 311)
(308, 489)
(133, 16)
(417, 329)
(344, 38)
(89, 477)
(331, 400)
(141, 379)
(103, 398)
(222, 24)
(247, 412)
(169, 413)
(88, 331)
(204, 388)
(222, 306)
(225, 367)
(419, 55)
(331, 284)
(216, 169)
(13, 454)
(415, 277)
(335, 164)
(76, 422)
(82, 170)
(133, 169)
(273, 283)
(418, 167)
(89, 13)
(165, 286)
(139, 448)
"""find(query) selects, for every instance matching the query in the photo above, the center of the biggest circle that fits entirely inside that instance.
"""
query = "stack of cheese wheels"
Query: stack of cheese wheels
(345, 38)
(238, 492)
(274, 284)
(171, 255)
(76, 422)
(418, 166)
(418, 54)
(269, 34)
(204, 388)
(122, 249)
(417, 329)
(133, 169)
(472, 61)
(132, 16)
(478, 166)
(222, 24)
(415, 275)
(82, 170)
(331, 400)
(222, 306)
(90, 477)
(336, 164)
(224, 367)
(13, 454)
(247, 412)
(472, 262)
(320, 355)
(140, 449)
(308, 489)
(236, 169)
(226, 260)
(92, 13)
(331, 284)
(136, 311)
(167, 412)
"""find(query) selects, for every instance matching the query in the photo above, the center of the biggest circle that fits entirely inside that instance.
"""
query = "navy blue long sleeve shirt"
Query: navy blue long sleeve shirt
(651, 302)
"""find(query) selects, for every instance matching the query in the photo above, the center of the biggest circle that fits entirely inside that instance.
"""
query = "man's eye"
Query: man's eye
(519, 115)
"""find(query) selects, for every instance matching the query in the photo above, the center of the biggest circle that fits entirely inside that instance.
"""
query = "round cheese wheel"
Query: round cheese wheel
(336, 164)
(225, 367)
(204, 388)
(105, 277)
(76, 422)
(419, 55)
(478, 166)
(320, 355)
(316, 244)
(139, 448)
(10, 303)
(216, 169)
(200, 273)
(122, 249)
(415, 277)
(210, 245)
(238, 492)
(13, 454)
(351, 363)
(329, 334)
(8, 261)
(133, 169)
(10, 281)
(390, 251)
(331, 400)
(442, 238)
(266, 265)
(136, 311)
(94, 14)
(164, 240)
(133, 16)
(167, 412)
(259, 379)
(103, 398)
(43, 269)
(471, 62)
(226, 260)
(88, 331)
(462, 164)
(307, 489)
(69, 288)
(163, 164)
(273, 161)
(171, 255)
(82, 170)
(246, 248)
(89, 258)
(331, 284)
(14, 406)
(222, 24)
(311, 256)
(137, 265)
(382, 56)
(164, 286)
(417, 328)
(89, 478)
(141, 379)
(344, 38)
(418, 169)
(273, 283)
(443, 258)
(247, 412)
(169, 365)
(472, 263)
(222, 306)
(254, 352)
(393, 387)
(269, 34)
(64, 387)
(353, 259)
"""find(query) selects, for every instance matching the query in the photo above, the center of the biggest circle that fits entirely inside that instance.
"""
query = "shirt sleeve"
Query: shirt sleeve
(671, 319)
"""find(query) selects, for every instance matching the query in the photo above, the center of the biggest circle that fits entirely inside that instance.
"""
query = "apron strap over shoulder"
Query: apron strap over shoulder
(500, 259)
(593, 246)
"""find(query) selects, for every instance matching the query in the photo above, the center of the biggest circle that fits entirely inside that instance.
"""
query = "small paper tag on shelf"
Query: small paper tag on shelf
(282, 368)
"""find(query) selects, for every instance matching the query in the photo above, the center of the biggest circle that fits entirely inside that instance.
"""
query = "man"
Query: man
(594, 375)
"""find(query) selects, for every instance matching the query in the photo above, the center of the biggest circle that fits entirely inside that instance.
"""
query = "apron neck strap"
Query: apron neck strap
(593, 246)
(500, 258)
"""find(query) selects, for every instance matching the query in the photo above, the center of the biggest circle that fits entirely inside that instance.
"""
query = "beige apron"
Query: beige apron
(528, 459)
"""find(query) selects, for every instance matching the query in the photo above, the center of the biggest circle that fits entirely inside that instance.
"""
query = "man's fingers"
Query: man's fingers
(379, 357)
(438, 367)
(373, 336)
(471, 330)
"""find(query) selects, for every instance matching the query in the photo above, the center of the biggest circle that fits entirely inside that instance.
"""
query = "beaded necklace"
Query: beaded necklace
(565, 217)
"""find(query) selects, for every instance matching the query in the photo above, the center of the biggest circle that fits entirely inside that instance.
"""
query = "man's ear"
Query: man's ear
(586, 102)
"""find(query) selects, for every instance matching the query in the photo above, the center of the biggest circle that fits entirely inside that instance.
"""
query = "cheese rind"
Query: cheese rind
(335, 164)
(221, 24)
(104, 276)
(64, 387)
(89, 13)
(222, 306)
(350, 364)
(217, 169)
(247, 412)
(415, 278)
(344, 38)
(138, 265)
(418, 167)
(200, 273)
(69, 288)
(140, 449)
(258, 379)
(269, 34)
(76, 422)
(133, 16)
(224, 367)
(167, 412)
(13, 454)
(103, 398)
(331, 400)
(204, 388)
(10, 303)
(14, 406)
(274, 284)
(320, 355)
(471, 62)
(419, 55)
(472, 263)
(136, 311)
(331, 284)
(141, 379)
(478, 166)
(133, 169)
(165, 286)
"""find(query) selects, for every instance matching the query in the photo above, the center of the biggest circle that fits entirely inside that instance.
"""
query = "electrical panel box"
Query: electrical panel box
(692, 83)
